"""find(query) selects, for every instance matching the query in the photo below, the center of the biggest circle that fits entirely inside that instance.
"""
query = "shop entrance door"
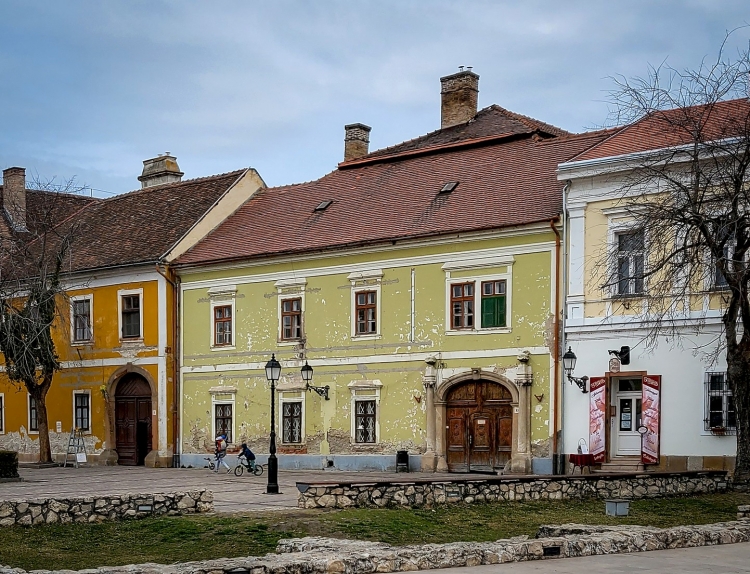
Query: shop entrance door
(626, 399)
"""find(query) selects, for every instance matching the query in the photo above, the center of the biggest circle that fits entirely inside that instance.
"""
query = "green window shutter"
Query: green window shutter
(500, 311)
(493, 312)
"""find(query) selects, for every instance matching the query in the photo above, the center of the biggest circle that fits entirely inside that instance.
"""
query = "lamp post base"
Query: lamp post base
(273, 475)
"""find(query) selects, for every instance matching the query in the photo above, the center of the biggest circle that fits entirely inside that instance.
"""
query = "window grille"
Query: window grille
(721, 417)
(364, 422)
(292, 422)
(82, 411)
(82, 320)
(33, 415)
(223, 421)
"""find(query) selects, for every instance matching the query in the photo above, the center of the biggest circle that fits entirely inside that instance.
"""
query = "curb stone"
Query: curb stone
(317, 555)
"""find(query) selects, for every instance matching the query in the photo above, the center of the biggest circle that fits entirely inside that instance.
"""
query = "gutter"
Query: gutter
(556, 342)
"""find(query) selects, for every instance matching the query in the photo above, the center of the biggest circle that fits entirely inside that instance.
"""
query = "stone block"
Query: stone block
(714, 462)
(695, 463)
(677, 463)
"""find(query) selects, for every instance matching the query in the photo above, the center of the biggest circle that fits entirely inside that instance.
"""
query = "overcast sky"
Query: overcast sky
(92, 88)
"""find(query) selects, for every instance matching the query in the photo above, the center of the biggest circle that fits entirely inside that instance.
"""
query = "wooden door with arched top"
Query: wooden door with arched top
(132, 420)
(479, 430)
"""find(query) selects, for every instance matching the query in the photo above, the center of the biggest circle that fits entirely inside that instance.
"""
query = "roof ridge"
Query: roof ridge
(174, 184)
(528, 121)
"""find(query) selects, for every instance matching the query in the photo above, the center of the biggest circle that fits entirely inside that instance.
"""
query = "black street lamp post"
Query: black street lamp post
(273, 372)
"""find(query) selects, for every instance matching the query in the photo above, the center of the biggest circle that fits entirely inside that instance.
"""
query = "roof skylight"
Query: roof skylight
(448, 187)
(323, 205)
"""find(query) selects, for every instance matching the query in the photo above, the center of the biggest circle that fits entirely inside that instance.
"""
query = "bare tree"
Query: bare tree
(691, 198)
(35, 253)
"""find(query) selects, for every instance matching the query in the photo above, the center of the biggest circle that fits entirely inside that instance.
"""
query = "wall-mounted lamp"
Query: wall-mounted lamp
(623, 354)
(569, 365)
(307, 375)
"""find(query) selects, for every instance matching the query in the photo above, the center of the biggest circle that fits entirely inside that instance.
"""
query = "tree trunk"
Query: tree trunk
(39, 393)
(738, 371)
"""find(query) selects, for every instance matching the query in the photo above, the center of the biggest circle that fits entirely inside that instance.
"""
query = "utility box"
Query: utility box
(617, 507)
(402, 461)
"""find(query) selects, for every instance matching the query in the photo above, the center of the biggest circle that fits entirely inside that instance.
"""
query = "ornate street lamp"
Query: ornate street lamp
(307, 374)
(569, 365)
(273, 372)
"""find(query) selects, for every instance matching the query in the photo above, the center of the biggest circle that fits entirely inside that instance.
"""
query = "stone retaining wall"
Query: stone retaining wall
(103, 508)
(425, 493)
(743, 511)
(332, 556)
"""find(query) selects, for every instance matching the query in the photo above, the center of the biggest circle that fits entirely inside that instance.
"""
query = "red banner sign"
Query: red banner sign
(597, 418)
(651, 418)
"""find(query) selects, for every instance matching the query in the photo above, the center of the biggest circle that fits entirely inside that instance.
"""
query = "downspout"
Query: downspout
(556, 344)
(175, 362)
(564, 315)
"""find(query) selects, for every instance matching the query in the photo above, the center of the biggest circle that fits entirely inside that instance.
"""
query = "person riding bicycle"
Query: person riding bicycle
(248, 454)
(221, 452)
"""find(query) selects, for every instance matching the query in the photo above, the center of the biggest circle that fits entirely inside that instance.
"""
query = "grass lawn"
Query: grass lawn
(180, 539)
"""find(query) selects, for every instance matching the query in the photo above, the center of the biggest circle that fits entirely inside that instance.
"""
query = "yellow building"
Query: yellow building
(116, 338)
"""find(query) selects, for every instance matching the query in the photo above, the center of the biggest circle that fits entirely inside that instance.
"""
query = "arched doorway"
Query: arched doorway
(132, 419)
(479, 421)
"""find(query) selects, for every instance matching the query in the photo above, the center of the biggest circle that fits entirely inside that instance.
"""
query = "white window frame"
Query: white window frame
(478, 279)
(82, 392)
(365, 390)
(292, 397)
(290, 289)
(219, 397)
(28, 416)
(368, 280)
(2, 413)
(120, 294)
(222, 296)
(724, 394)
(73, 300)
(631, 281)
(620, 221)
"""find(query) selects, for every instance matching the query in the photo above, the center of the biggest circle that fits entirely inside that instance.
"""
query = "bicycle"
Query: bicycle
(250, 465)
(211, 463)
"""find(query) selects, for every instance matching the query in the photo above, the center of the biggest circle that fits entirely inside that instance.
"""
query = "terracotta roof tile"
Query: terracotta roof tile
(505, 183)
(675, 127)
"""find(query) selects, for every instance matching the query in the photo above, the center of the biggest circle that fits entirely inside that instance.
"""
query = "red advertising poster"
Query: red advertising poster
(597, 418)
(650, 418)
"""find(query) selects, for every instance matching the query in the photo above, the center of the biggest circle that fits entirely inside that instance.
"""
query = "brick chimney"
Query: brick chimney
(159, 170)
(14, 196)
(356, 141)
(458, 98)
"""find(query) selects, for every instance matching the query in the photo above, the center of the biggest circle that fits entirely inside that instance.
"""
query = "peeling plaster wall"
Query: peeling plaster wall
(394, 359)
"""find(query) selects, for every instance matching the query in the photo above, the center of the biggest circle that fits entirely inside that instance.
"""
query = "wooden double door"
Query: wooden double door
(479, 429)
(132, 420)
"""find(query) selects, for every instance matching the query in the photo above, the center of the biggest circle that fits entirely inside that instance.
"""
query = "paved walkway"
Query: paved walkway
(725, 559)
(231, 493)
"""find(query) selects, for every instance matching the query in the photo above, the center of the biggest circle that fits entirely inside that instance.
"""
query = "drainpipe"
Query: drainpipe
(176, 398)
(556, 346)
(564, 315)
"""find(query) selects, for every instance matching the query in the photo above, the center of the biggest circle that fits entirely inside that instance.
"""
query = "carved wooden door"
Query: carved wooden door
(481, 439)
(132, 420)
(125, 425)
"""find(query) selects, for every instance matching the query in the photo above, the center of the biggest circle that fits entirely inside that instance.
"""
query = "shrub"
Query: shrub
(8, 464)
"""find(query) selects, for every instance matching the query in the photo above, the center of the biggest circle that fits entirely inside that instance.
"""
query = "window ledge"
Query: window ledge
(223, 348)
(88, 343)
(500, 330)
(366, 337)
(134, 341)
(288, 342)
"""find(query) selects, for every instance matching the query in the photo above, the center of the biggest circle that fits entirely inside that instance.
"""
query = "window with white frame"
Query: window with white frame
(365, 311)
(2, 413)
(493, 304)
(719, 281)
(462, 305)
(721, 416)
(223, 325)
(365, 409)
(365, 416)
(291, 319)
(223, 413)
(82, 410)
(291, 422)
(630, 247)
(131, 314)
(33, 415)
(80, 312)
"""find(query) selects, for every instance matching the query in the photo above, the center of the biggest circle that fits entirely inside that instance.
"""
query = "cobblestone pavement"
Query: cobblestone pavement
(231, 493)
(725, 559)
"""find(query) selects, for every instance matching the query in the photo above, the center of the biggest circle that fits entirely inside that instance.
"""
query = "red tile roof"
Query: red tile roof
(503, 182)
(675, 127)
(132, 228)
